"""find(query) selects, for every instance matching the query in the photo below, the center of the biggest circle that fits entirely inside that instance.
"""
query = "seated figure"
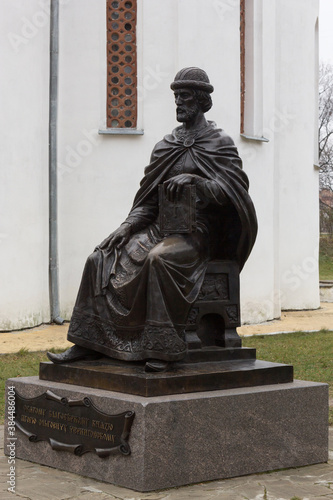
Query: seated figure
(139, 284)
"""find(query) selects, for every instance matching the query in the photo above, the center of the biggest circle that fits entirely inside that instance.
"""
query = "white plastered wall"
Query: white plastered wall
(259, 284)
(282, 272)
(96, 189)
(99, 174)
(24, 59)
(298, 190)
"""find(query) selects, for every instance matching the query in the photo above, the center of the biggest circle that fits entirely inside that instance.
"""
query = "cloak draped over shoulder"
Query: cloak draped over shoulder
(216, 158)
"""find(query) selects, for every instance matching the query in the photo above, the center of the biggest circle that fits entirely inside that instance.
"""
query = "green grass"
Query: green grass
(326, 258)
(311, 354)
(21, 364)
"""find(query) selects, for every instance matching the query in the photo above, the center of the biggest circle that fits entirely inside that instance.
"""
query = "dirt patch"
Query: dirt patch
(293, 321)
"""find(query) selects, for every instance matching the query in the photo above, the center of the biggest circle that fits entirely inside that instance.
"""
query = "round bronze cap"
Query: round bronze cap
(192, 78)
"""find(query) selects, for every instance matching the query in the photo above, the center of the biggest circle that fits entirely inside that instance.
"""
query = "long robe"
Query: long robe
(133, 303)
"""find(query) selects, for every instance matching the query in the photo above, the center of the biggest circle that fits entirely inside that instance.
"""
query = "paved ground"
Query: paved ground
(37, 482)
(47, 336)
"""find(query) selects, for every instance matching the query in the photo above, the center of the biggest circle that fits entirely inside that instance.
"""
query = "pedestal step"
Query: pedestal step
(181, 378)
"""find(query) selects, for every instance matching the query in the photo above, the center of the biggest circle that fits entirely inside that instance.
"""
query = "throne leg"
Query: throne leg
(231, 338)
(192, 339)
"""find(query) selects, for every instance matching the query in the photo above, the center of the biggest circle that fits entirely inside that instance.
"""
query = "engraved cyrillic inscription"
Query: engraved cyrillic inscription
(78, 427)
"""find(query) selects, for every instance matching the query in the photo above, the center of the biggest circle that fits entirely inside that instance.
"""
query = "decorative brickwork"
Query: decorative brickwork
(121, 64)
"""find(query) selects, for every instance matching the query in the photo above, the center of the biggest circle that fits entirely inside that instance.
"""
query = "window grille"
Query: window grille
(121, 64)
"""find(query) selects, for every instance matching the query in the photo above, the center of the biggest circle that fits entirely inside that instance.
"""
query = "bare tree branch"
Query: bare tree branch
(326, 126)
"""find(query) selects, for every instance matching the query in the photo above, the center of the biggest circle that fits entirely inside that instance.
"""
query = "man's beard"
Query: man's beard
(188, 113)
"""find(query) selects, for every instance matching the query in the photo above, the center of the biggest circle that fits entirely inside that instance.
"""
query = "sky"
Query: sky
(326, 30)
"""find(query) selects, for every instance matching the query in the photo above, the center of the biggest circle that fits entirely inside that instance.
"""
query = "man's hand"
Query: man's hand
(118, 238)
(175, 185)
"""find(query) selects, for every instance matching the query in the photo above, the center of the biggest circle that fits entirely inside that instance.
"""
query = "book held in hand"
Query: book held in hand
(177, 216)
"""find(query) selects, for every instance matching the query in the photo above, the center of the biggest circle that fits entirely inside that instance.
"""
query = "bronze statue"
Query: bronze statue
(192, 206)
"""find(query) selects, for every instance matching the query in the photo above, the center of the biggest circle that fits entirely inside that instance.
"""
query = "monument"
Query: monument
(193, 206)
(157, 384)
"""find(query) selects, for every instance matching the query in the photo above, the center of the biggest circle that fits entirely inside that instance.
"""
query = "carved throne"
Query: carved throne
(213, 318)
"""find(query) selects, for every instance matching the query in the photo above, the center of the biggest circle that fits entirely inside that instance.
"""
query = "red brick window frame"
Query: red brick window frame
(121, 64)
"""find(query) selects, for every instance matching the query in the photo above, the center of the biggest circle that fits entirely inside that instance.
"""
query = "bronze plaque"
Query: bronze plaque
(76, 426)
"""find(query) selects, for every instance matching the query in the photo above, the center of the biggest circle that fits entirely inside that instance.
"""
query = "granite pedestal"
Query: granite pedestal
(188, 438)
